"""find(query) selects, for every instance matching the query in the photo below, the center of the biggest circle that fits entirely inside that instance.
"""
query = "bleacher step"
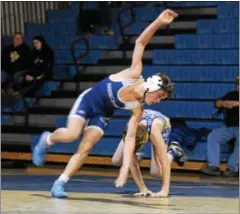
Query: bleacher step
(71, 86)
(119, 55)
(8, 137)
(183, 27)
(23, 131)
(126, 62)
(34, 120)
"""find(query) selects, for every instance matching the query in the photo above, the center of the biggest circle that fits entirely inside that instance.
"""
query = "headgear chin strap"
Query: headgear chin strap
(153, 83)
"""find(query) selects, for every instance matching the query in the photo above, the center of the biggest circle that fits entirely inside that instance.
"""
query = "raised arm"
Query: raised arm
(165, 18)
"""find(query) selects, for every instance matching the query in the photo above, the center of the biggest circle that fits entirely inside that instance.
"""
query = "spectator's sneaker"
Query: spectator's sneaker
(57, 190)
(230, 173)
(180, 156)
(212, 170)
(39, 151)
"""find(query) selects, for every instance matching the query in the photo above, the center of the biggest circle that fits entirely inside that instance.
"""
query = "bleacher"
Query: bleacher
(199, 51)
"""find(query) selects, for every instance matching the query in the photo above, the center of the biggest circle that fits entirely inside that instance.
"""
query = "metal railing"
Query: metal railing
(125, 39)
(76, 58)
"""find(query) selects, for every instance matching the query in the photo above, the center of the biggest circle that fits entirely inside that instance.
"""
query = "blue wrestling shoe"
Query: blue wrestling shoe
(39, 151)
(57, 190)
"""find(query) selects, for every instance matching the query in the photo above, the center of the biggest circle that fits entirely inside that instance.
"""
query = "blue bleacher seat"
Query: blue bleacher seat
(199, 153)
(136, 28)
(192, 3)
(67, 29)
(201, 90)
(195, 73)
(204, 124)
(180, 109)
(47, 88)
(218, 26)
(228, 11)
(215, 57)
(68, 15)
(185, 109)
(64, 72)
(141, 14)
(214, 41)
(103, 42)
(64, 57)
(64, 42)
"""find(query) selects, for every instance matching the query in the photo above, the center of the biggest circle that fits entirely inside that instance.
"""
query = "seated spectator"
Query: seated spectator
(229, 106)
(95, 17)
(105, 11)
(15, 60)
(41, 61)
(42, 58)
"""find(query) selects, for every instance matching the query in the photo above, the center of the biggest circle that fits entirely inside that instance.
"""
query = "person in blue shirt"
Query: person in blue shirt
(155, 128)
(94, 108)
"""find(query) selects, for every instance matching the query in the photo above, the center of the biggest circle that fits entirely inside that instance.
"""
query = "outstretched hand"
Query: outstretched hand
(167, 16)
(122, 178)
(143, 193)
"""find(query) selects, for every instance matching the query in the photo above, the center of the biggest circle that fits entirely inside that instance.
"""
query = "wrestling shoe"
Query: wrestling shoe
(39, 152)
(180, 156)
(57, 190)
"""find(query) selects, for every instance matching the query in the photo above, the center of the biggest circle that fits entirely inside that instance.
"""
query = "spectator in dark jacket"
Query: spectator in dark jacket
(229, 106)
(42, 58)
(15, 59)
(95, 17)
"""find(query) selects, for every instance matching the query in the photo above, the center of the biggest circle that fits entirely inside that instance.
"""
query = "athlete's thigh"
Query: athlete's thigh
(118, 155)
(90, 137)
(94, 130)
(79, 114)
(75, 126)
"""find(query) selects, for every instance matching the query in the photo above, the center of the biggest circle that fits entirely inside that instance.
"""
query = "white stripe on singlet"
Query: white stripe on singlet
(77, 103)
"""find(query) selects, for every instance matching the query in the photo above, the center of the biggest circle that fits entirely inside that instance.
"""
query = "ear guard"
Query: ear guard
(156, 83)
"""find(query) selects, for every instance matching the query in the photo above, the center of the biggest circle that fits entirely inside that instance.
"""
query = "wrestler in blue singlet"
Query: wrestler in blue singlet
(150, 115)
(97, 104)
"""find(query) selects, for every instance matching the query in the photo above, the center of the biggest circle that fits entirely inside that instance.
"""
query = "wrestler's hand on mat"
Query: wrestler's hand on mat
(167, 16)
(144, 193)
(122, 178)
(160, 194)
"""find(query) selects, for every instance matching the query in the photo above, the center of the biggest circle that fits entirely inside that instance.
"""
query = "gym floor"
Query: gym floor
(92, 191)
